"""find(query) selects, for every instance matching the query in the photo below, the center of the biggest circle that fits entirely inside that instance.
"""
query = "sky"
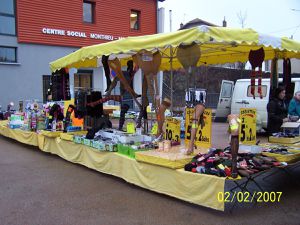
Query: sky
(279, 18)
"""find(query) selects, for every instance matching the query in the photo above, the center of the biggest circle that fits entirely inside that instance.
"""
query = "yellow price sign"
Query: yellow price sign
(203, 136)
(172, 131)
(154, 129)
(247, 130)
(67, 103)
(130, 128)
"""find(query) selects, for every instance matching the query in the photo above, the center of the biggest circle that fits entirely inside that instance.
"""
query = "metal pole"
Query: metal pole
(171, 65)
(171, 78)
(170, 17)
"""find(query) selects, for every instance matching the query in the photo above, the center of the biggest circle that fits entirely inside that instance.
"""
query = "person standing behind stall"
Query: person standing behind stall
(277, 111)
(294, 106)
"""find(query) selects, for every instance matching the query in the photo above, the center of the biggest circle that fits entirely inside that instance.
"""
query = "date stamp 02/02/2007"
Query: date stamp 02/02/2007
(248, 197)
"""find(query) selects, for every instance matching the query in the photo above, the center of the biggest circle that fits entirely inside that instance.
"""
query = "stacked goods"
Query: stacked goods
(16, 120)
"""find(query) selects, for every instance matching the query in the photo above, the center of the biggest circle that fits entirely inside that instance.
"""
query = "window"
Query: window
(226, 90)
(7, 17)
(83, 79)
(263, 89)
(135, 20)
(88, 12)
(46, 87)
(8, 54)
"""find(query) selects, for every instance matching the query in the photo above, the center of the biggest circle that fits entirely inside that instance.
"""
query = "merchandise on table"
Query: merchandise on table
(218, 162)
(16, 120)
(73, 128)
(78, 139)
(97, 143)
(130, 150)
(54, 112)
(122, 137)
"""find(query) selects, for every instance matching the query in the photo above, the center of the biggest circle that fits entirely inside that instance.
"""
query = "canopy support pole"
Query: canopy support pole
(171, 79)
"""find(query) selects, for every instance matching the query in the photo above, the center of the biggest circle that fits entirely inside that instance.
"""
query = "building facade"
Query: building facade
(34, 33)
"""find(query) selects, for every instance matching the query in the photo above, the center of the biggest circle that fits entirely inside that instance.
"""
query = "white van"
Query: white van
(242, 98)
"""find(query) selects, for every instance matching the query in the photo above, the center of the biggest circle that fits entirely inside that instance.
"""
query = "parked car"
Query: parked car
(238, 95)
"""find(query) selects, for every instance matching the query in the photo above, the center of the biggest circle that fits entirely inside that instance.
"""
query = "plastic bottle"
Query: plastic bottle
(54, 125)
(33, 121)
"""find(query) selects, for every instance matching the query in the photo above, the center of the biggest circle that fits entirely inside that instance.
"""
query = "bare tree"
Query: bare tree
(242, 18)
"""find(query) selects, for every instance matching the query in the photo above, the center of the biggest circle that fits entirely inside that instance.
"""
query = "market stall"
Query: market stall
(171, 167)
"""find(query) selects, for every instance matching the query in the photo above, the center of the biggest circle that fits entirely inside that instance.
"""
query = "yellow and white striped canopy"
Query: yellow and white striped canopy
(218, 45)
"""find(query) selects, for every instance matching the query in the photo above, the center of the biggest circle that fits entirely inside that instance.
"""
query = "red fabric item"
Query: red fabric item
(227, 172)
(259, 90)
(256, 58)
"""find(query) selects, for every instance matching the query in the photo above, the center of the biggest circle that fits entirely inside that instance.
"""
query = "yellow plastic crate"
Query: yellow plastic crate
(284, 140)
(285, 158)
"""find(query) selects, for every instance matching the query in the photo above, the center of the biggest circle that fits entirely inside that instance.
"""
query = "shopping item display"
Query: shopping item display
(16, 120)
(54, 116)
(234, 141)
(110, 139)
(219, 162)
(166, 103)
(188, 56)
(196, 121)
(149, 63)
(115, 65)
(104, 61)
(60, 85)
(256, 58)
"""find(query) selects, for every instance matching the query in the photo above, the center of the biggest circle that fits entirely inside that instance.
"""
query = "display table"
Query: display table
(200, 189)
(25, 137)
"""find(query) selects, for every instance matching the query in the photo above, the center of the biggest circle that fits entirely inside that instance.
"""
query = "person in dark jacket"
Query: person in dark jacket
(277, 110)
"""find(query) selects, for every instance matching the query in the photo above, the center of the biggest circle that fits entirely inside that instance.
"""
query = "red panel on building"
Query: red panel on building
(54, 22)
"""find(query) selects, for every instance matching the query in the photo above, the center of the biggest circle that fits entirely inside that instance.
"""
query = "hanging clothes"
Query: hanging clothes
(256, 58)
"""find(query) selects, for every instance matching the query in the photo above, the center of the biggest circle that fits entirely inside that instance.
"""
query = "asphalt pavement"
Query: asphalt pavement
(39, 188)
